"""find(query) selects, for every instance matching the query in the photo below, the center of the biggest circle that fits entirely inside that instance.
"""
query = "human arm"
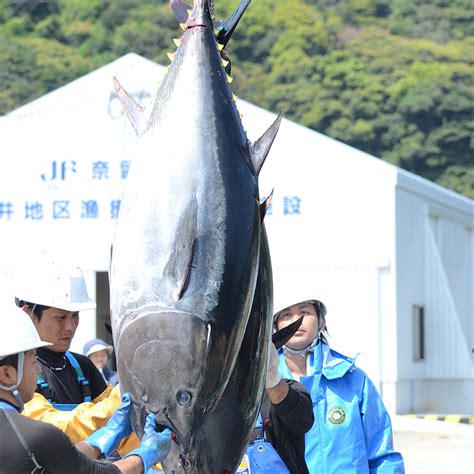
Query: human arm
(278, 393)
(289, 399)
(107, 438)
(295, 410)
(276, 388)
(55, 453)
(79, 423)
(378, 433)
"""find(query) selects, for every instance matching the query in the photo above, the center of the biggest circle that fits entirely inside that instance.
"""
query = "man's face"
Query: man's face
(31, 369)
(99, 358)
(58, 327)
(308, 330)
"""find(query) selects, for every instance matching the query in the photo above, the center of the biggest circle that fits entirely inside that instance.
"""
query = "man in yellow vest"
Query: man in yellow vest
(71, 393)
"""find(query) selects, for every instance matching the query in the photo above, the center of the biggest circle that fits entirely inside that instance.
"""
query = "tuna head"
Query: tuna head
(162, 363)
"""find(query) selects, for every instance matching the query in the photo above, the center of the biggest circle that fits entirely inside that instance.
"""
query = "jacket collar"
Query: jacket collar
(331, 364)
(322, 360)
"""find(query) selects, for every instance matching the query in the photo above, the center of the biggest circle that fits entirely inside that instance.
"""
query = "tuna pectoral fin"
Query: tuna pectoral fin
(259, 150)
(178, 268)
(134, 111)
(227, 27)
(180, 10)
(281, 337)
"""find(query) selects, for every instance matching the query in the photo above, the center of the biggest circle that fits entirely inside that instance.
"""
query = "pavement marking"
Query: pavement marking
(467, 419)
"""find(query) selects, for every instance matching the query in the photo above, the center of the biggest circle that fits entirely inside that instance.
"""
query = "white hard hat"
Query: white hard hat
(54, 285)
(290, 297)
(18, 333)
(285, 296)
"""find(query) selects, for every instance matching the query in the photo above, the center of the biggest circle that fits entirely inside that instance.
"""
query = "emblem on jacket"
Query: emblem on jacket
(336, 415)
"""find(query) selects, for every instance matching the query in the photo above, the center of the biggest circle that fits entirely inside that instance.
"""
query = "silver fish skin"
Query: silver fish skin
(186, 246)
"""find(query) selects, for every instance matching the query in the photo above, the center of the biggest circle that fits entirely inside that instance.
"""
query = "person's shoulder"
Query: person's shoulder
(353, 372)
(338, 355)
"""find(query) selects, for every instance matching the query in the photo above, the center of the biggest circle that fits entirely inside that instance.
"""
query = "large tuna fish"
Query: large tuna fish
(186, 248)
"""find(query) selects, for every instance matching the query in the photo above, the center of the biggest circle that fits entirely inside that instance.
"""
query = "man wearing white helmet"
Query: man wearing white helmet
(352, 431)
(53, 295)
(30, 446)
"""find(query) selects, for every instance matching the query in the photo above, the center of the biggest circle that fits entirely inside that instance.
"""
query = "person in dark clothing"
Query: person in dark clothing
(30, 446)
(277, 444)
(62, 378)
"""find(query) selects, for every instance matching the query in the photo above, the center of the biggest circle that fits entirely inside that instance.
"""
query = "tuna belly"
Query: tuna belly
(162, 363)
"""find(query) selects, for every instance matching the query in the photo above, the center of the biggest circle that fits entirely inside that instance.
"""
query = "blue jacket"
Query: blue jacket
(352, 432)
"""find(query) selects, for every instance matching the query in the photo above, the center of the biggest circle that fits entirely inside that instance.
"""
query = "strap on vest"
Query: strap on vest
(38, 467)
(83, 382)
(44, 389)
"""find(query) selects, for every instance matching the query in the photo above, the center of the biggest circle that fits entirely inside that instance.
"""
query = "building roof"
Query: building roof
(83, 98)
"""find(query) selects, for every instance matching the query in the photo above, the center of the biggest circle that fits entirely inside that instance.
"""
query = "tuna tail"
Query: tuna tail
(200, 15)
(259, 150)
(226, 28)
(181, 10)
(281, 337)
(135, 112)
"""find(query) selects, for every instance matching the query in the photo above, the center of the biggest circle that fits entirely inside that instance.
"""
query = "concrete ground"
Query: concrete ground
(434, 447)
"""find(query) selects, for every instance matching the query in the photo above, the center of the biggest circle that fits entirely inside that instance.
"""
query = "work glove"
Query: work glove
(119, 425)
(154, 446)
(273, 375)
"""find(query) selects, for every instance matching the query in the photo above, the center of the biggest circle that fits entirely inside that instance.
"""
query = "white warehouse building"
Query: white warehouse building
(390, 254)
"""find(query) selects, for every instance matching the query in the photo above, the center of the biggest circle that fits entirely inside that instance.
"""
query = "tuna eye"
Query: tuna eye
(184, 398)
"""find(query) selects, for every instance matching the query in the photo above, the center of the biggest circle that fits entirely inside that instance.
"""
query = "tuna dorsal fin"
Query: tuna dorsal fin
(135, 112)
(180, 10)
(259, 150)
(226, 28)
(265, 205)
(178, 268)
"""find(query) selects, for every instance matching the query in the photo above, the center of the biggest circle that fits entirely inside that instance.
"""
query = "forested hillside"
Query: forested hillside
(391, 77)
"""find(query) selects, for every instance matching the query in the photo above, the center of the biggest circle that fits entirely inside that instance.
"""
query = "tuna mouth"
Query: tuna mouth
(176, 437)
(196, 25)
(162, 418)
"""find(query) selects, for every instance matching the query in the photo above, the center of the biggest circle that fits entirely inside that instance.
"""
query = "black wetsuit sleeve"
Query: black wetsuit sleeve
(58, 455)
(51, 448)
(286, 424)
(92, 374)
(296, 410)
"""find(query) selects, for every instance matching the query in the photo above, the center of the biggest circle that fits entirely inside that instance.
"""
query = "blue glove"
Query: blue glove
(119, 425)
(154, 446)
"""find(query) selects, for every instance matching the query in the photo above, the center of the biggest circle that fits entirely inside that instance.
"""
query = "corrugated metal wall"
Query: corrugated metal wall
(435, 270)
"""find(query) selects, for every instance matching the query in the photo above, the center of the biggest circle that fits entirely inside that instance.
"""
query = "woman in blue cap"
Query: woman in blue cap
(99, 353)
